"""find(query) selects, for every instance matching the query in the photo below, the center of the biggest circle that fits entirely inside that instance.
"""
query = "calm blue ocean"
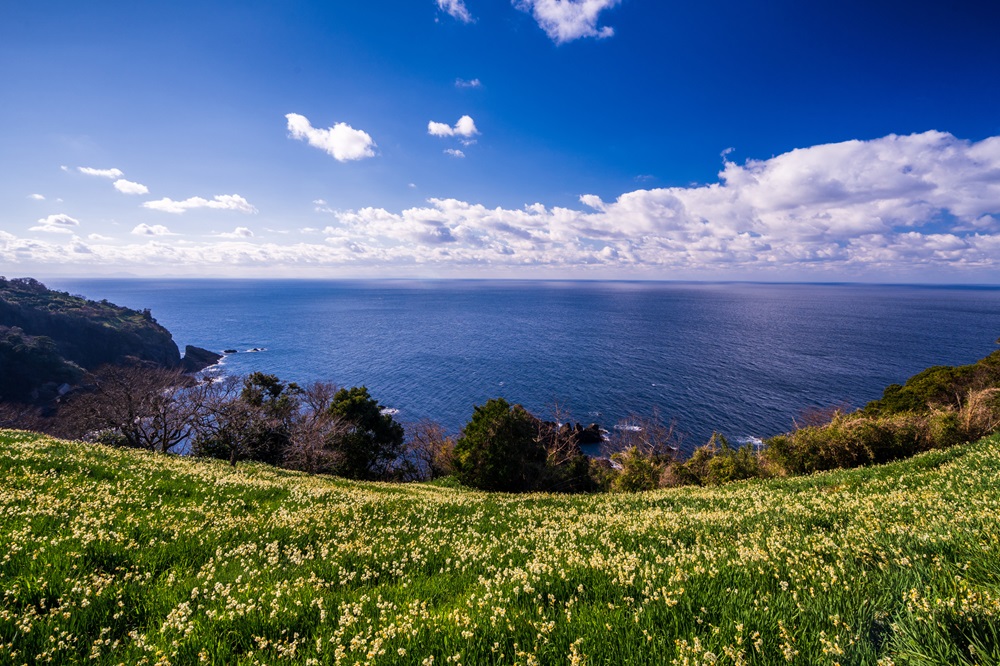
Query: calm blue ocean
(744, 359)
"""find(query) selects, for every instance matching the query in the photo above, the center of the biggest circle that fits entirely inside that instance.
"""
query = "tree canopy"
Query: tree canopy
(371, 441)
(499, 448)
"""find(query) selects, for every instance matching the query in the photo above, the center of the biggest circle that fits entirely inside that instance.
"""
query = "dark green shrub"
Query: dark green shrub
(572, 475)
(638, 471)
(715, 463)
(735, 465)
(854, 440)
(944, 429)
(601, 473)
(940, 386)
(372, 440)
(277, 401)
(499, 449)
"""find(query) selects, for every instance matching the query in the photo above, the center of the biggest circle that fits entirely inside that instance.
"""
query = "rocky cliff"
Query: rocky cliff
(46, 333)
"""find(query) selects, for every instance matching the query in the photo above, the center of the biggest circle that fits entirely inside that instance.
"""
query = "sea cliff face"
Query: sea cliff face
(51, 336)
(88, 333)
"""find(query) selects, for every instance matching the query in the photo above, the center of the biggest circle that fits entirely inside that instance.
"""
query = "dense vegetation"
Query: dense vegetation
(111, 556)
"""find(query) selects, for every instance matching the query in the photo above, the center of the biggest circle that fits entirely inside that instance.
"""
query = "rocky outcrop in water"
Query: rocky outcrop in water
(197, 359)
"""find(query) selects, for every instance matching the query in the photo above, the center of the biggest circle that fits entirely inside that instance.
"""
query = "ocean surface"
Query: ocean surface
(743, 359)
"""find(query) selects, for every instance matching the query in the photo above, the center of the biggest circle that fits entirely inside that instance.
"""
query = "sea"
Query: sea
(747, 360)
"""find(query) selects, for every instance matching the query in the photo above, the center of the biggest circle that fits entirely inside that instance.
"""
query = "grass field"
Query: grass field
(123, 557)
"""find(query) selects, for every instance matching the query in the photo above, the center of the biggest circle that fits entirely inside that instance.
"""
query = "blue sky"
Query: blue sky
(471, 138)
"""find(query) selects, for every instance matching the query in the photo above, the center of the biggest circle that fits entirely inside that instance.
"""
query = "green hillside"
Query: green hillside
(112, 556)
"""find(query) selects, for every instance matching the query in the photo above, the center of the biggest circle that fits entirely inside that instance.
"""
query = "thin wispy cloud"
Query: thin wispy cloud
(464, 127)
(321, 206)
(474, 83)
(100, 173)
(567, 20)
(456, 9)
(342, 142)
(37, 197)
(452, 152)
(233, 202)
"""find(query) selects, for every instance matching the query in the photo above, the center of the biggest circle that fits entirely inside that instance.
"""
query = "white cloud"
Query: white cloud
(220, 202)
(37, 197)
(474, 83)
(341, 141)
(238, 232)
(99, 237)
(566, 20)
(102, 173)
(151, 230)
(456, 9)
(900, 207)
(57, 224)
(128, 187)
(453, 152)
(464, 127)
(319, 202)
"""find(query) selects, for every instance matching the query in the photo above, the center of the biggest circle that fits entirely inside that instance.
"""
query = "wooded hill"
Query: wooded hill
(49, 338)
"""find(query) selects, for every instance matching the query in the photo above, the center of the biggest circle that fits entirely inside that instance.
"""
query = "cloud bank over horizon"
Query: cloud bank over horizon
(925, 203)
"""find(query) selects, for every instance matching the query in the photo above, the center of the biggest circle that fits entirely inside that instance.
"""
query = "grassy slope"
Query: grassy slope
(112, 556)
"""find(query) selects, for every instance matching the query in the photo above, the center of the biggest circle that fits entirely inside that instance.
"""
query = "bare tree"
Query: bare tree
(560, 439)
(142, 407)
(430, 449)
(649, 436)
(20, 416)
(228, 428)
(314, 428)
(820, 416)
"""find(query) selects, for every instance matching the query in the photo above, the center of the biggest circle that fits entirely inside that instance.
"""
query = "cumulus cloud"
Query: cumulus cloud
(342, 142)
(452, 152)
(37, 197)
(57, 224)
(238, 232)
(151, 230)
(922, 206)
(99, 238)
(456, 9)
(101, 173)
(474, 83)
(464, 127)
(220, 202)
(566, 20)
(875, 204)
(128, 187)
